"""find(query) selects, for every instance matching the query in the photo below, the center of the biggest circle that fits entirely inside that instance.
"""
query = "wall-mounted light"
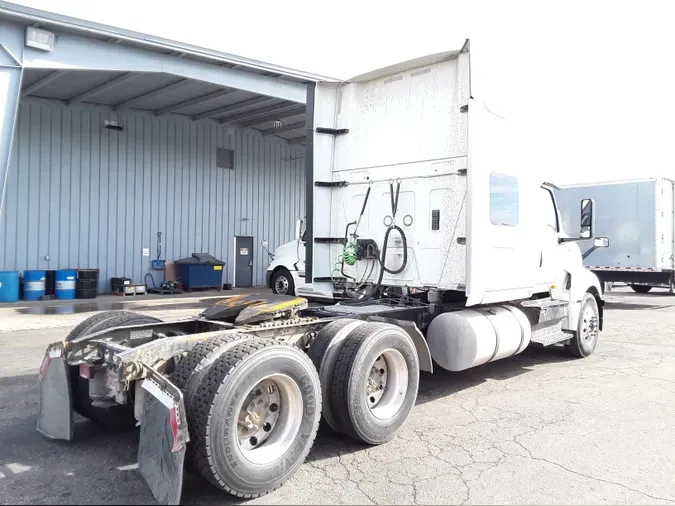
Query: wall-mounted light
(39, 39)
(112, 125)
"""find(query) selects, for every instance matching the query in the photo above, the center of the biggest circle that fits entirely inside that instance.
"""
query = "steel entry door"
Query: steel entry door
(243, 261)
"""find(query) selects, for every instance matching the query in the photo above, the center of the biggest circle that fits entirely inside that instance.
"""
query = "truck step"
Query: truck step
(544, 303)
(552, 338)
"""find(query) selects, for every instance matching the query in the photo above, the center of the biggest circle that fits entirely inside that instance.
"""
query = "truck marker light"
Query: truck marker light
(44, 365)
(173, 419)
(87, 371)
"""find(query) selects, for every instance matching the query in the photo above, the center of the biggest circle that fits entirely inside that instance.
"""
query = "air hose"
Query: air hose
(349, 253)
(383, 255)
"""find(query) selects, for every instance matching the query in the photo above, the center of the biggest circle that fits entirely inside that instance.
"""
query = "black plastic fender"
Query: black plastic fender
(423, 352)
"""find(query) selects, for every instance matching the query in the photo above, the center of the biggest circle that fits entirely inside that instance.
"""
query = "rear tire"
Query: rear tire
(586, 337)
(187, 365)
(323, 352)
(375, 382)
(641, 288)
(115, 418)
(282, 282)
(191, 371)
(253, 452)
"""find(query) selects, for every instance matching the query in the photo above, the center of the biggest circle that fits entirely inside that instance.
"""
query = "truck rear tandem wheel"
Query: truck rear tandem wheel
(374, 382)
(256, 417)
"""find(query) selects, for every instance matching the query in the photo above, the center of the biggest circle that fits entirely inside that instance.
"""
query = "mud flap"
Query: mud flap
(55, 416)
(161, 446)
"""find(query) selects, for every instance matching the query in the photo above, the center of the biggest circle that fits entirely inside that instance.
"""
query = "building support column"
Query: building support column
(10, 93)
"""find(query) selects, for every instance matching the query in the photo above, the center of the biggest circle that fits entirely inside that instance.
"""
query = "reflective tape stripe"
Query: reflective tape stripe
(33, 286)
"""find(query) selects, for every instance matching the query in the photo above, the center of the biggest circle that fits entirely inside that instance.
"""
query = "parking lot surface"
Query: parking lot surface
(538, 428)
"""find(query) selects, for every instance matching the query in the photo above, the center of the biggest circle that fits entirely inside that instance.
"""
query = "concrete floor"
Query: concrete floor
(537, 428)
(27, 315)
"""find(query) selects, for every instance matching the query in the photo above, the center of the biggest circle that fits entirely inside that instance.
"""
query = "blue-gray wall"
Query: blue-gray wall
(88, 197)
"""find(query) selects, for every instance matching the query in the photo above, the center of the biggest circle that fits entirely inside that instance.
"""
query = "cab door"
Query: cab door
(550, 270)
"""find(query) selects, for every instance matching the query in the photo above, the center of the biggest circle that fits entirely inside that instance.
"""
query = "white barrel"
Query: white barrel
(463, 339)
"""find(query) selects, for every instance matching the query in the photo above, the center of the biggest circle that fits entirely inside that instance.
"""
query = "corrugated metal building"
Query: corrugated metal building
(209, 146)
(79, 195)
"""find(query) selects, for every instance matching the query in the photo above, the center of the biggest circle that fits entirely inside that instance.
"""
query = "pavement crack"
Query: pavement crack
(594, 478)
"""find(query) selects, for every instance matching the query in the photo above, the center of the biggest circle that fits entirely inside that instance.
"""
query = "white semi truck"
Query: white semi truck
(286, 271)
(421, 214)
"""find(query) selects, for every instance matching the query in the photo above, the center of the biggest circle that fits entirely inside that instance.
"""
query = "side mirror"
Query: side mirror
(587, 218)
(298, 229)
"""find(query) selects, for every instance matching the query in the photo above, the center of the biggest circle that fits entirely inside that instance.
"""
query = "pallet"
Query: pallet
(122, 294)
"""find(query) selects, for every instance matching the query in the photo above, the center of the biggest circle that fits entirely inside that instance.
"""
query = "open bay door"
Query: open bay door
(502, 241)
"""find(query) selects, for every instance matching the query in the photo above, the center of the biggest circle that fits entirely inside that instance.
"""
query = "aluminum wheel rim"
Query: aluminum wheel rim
(281, 284)
(269, 419)
(589, 325)
(387, 384)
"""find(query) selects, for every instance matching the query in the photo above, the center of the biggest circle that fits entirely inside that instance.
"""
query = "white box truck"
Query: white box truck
(419, 211)
(638, 218)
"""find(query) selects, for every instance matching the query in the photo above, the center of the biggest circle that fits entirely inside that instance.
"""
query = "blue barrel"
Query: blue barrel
(65, 284)
(33, 284)
(9, 286)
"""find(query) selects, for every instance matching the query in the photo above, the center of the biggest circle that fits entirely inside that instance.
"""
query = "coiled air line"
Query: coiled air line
(382, 257)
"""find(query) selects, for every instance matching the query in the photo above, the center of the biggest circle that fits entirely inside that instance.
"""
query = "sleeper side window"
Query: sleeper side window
(503, 200)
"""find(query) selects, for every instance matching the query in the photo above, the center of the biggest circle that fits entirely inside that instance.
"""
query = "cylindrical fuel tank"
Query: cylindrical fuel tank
(463, 339)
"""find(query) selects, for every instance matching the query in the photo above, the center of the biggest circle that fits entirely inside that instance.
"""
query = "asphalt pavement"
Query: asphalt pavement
(539, 428)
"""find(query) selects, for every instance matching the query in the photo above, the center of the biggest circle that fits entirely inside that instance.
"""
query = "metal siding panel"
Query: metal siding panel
(90, 197)
(221, 141)
(163, 189)
(33, 179)
(216, 177)
(239, 176)
(120, 199)
(75, 239)
(138, 193)
(55, 183)
(169, 235)
(155, 200)
(146, 194)
(41, 187)
(199, 187)
(85, 188)
(234, 137)
(113, 178)
(64, 197)
(94, 191)
(185, 240)
(259, 221)
(193, 203)
(278, 194)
